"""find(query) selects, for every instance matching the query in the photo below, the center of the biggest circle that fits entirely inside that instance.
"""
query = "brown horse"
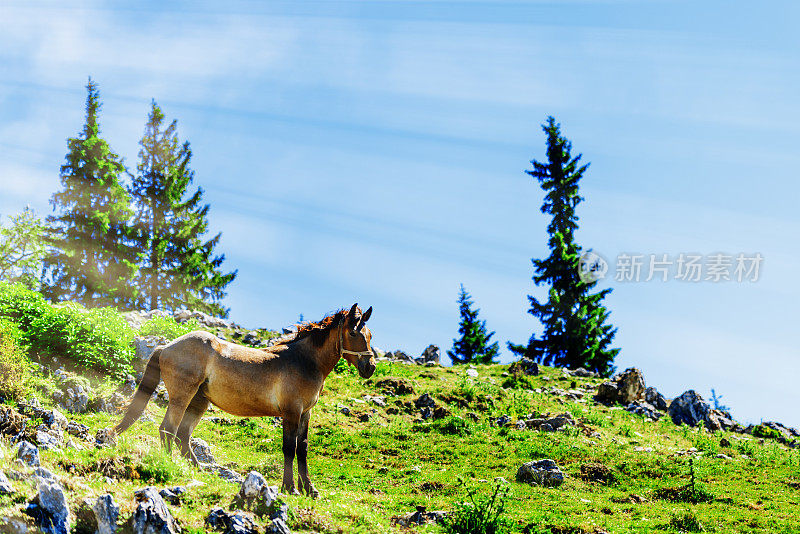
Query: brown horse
(282, 381)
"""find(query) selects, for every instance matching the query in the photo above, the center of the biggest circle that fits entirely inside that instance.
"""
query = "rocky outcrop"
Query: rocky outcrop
(542, 473)
(265, 501)
(152, 515)
(419, 517)
(524, 366)
(626, 388)
(231, 522)
(49, 508)
(689, 408)
(28, 453)
(5, 485)
(145, 345)
(655, 399)
(106, 513)
(644, 408)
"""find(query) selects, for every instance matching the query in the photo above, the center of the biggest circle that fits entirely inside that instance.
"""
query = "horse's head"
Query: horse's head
(354, 339)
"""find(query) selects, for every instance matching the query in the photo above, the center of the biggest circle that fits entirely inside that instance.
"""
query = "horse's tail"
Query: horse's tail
(149, 383)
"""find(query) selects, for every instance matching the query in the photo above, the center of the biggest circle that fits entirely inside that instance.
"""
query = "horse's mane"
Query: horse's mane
(316, 330)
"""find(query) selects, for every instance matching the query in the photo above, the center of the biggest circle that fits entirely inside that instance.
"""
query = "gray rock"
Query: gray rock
(502, 421)
(542, 472)
(425, 400)
(105, 437)
(12, 525)
(559, 421)
(472, 372)
(524, 366)
(136, 318)
(626, 388)
(252, 486)
(45, 474)
(5, 485)
(49, 439)
(106, 512)
(28, 453)
(645, 409)
(583, 373)
(145, 345)
(203, 318)
(78, 430)
(607, 393)
(689, 408)
(720, 420)
(430, 355)
(152, 515)
(420, 517)
(202, 451)
(55, 419)
(169, 496)
(656, 399)
(231, 522)
(630, 385)
(277, 526)
(49, 508)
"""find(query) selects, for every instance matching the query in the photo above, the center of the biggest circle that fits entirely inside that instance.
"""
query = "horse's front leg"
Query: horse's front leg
(303, 480)
(291, 424)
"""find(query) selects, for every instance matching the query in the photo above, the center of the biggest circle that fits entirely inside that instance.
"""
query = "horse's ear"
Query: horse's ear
(364, 318)
(351, 315)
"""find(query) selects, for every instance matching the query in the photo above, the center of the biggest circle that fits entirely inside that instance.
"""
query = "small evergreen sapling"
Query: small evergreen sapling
(473, 346)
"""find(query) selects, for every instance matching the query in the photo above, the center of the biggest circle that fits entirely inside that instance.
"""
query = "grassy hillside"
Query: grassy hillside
(625, 472)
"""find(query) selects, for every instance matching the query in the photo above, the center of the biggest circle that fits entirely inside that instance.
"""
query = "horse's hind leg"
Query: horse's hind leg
(194, 412)
(169, 426)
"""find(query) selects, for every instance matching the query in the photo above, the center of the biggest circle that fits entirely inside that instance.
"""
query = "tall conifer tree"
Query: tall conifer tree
(576, 333)
(473, 346)
(179, 267)
(92, 259)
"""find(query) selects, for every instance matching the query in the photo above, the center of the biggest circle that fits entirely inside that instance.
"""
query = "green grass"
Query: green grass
(368, 472)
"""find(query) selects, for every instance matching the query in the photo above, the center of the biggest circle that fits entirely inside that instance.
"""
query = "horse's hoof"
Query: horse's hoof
(313, 494)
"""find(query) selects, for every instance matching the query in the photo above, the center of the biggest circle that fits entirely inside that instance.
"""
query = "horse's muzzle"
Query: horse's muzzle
(366, 367)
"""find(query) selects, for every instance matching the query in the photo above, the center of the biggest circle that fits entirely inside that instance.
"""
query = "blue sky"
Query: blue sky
(374, 151)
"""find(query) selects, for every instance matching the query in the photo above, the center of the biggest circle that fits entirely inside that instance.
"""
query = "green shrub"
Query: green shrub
(481, 515)
(518, 381)
(21, 305)
(14, 364)
(763, 431)
(97, 338)
(158, 467)
(687, 522)
(167, 327)
(453, 426)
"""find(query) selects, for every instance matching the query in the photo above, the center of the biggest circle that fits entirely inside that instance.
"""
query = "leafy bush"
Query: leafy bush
(158, 467)
(168, 327)
(518, 381)
(687, 522)
(97, 338)
(14, 364)
(763, 431)
(481, 515)
(454, 426)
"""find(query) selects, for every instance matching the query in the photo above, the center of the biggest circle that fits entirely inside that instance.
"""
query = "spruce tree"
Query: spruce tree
(576, 333)
(179, 267)
(473, 345)
(92, 260)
